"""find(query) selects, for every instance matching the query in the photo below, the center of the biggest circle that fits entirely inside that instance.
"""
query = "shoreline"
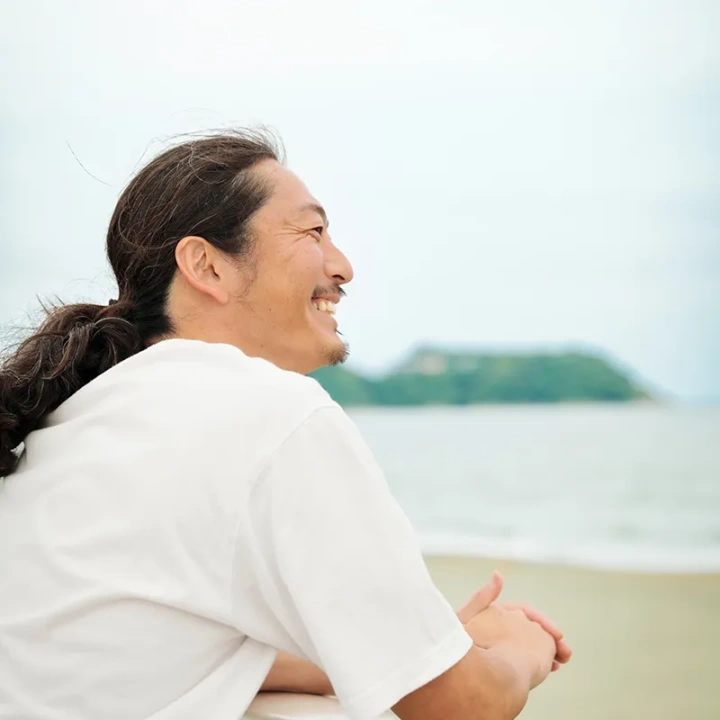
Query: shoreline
(700, 563)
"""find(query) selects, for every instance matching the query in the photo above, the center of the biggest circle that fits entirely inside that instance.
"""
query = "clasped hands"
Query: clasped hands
(489, 622)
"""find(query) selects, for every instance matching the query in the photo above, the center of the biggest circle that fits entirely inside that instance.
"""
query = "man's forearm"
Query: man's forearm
(489, 684)
(291, 674)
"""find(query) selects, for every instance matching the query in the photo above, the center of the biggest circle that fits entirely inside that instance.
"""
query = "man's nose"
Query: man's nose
(337, 265)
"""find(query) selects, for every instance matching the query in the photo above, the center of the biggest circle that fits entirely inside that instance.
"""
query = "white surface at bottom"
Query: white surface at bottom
(289, 706)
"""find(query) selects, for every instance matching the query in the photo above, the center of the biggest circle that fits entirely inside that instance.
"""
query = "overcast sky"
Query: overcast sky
(505, 174)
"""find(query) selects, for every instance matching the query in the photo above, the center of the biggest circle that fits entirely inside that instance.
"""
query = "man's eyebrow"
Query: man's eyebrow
(319, 209)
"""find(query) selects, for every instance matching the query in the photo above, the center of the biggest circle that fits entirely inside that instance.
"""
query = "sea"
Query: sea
(632, 487)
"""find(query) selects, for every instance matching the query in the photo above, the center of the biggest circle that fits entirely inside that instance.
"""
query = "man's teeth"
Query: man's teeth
(325, 306)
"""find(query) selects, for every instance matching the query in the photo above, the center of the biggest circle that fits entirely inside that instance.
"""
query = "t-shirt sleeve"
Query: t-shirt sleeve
(334, 562)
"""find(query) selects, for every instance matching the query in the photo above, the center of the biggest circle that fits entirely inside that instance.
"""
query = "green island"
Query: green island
(438, 377)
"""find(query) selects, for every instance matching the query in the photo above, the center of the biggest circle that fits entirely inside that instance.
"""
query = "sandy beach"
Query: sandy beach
(646, 645)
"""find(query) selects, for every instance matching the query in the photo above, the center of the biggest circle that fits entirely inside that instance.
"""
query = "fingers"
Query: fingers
(482, 599)
(536, 616)
(488, 594)
(564, 653)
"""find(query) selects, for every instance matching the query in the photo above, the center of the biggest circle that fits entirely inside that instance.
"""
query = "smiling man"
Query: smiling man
(278, 300)
(180, 502)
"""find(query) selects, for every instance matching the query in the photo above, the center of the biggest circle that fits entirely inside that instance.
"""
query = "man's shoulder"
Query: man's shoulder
(232, 380)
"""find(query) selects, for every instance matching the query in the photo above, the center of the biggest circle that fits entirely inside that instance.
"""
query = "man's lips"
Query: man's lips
(333, 298)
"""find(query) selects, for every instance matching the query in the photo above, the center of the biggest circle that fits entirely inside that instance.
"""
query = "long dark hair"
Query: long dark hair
(204, 186)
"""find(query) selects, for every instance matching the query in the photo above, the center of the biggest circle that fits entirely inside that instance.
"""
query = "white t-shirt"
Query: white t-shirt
(182, 517)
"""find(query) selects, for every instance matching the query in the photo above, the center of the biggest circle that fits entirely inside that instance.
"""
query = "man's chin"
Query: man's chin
(338, 354)
(329, 350)
(332, 354)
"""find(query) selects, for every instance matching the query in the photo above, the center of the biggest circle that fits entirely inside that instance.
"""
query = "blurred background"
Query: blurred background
(529, 194)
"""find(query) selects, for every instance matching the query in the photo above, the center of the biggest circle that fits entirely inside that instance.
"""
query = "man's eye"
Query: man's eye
(318, 231)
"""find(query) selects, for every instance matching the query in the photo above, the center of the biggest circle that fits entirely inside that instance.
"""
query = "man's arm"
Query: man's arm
(510, 655)
(291, 674)
(366, 598)
(495, 679)
(485, 685)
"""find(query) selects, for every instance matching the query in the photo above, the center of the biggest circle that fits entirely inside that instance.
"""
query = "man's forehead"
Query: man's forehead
(285, 182)
(291, 196)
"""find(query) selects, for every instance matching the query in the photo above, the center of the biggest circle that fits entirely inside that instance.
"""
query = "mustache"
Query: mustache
(329, 290)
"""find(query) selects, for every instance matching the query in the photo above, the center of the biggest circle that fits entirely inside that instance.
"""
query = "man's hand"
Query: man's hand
(482, 599)
(489, 593)
(521, 642)
(563, 653)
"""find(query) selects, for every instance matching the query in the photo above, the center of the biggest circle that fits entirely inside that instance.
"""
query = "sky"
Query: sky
(503, 175)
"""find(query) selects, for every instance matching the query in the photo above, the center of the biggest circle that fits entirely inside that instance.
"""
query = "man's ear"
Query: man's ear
(203, 268)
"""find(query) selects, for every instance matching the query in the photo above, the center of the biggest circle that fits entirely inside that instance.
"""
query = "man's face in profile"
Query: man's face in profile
(296, 276)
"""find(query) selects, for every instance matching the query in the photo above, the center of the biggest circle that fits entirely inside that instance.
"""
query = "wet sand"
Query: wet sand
(646, 645)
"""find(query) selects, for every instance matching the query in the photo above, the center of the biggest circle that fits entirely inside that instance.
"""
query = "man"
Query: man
(180, 502)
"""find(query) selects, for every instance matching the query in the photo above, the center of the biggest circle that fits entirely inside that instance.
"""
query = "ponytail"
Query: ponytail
(74, 345)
